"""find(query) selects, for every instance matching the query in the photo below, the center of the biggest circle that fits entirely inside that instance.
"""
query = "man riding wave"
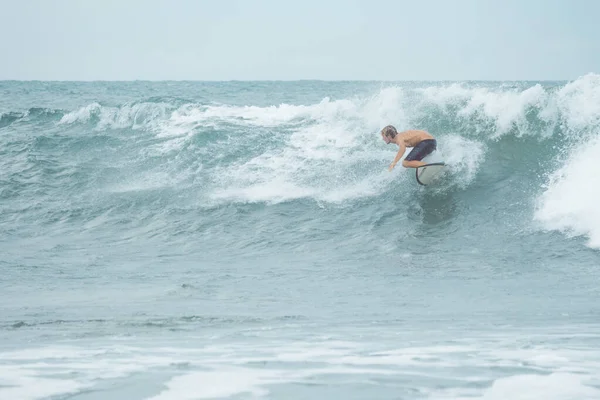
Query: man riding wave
(422, 143)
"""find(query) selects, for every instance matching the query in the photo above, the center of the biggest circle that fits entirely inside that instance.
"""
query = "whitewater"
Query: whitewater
(233, 240)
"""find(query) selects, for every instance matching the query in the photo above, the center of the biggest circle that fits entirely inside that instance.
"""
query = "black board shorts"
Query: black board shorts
(421, 150)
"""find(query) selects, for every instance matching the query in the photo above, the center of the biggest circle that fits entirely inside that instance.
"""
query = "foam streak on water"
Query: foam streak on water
(488, 366)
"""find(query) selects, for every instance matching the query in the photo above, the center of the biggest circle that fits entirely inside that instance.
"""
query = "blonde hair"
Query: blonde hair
(389, 131)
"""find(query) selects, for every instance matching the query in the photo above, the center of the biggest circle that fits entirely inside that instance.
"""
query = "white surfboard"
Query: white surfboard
(428, 174)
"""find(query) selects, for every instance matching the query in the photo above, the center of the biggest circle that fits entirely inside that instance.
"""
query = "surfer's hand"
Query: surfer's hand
(392, 165)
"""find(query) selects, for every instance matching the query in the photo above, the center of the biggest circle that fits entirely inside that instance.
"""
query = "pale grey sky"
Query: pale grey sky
(299, 39)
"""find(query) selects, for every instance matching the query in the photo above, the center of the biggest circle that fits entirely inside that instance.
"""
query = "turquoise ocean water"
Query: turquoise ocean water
(237, 240)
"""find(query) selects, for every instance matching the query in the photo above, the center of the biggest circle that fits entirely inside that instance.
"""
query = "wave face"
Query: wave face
(211, 146)
(251, 213)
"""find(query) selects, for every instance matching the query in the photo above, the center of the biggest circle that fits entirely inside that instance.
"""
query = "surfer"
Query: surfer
(422, 143)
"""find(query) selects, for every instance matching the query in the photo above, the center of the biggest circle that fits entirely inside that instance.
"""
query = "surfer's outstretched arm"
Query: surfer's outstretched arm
(398, 156)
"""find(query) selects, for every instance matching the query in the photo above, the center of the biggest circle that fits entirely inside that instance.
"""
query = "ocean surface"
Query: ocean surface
(245, 240)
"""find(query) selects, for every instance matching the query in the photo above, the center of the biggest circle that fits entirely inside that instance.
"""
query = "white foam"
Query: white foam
(321, 160)
(273, 192)
(570, 201)
(82, 115)
(192, 115)
(324, 173)
(463, 157)
(169, 121)
(388, 106)
(506, 109)
(240, 368)
(330, 150)
(34, 388)
(25, 382)
(556, 386)
(321, 153)
(225, 382)
(579, 105)
(135, 116)
(41, 373)
(58, 352)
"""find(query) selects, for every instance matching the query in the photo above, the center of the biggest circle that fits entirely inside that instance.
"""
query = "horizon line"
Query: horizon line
(291, 80)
